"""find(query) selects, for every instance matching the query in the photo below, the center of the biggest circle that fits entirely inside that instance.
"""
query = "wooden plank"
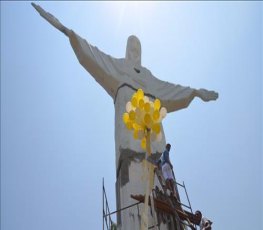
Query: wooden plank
(164, 206)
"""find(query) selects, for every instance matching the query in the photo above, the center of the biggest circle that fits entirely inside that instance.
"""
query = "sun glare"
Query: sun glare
(132, 13)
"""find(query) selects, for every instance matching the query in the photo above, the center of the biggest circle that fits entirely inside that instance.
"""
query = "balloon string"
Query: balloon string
(149, 171)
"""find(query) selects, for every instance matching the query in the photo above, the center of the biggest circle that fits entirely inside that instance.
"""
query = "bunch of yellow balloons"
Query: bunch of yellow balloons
(142, 116)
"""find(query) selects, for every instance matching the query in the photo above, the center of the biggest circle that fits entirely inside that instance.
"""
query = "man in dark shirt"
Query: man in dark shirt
(167, 169)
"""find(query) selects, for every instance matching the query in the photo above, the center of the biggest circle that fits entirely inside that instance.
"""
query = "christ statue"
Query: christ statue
(121, 77)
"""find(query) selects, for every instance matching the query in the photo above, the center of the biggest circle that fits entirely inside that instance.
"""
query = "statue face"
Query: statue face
(133, 50)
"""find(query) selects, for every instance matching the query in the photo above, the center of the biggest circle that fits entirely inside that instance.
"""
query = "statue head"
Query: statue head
(133, 50)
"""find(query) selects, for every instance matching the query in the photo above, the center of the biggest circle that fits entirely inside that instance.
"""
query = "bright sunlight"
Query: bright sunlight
(133, 13)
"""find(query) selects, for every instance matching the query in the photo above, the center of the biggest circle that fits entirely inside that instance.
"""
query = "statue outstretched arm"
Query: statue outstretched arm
(175, 97)
(51, 19)
(101, 66)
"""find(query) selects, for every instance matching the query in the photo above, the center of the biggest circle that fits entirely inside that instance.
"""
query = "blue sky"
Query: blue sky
(57, 123)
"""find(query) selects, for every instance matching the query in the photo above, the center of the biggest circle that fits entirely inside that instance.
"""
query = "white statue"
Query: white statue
(121, 78)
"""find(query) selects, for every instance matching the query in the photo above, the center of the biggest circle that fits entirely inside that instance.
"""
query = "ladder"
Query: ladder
(178, 200)
(162, 183)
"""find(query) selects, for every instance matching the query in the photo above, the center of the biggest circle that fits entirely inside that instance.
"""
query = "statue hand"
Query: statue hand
(51, 19)
(206, 95)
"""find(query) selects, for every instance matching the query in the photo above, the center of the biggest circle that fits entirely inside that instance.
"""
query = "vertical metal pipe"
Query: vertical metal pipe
(103, 203)
(188, 198)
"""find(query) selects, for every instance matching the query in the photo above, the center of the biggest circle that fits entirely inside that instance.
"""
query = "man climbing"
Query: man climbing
(167, 169)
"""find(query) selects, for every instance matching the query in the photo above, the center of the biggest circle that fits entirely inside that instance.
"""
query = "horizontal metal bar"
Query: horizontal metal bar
(122, 209)
(184, 205)
(180, 184)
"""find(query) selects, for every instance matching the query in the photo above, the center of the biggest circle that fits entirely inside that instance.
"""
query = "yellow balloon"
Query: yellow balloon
(147, 107)
(143, 143)
(125, 118)
(157, 104)
(163, 112)
(129, 125)
(128, 106)
(134, 95)
(156, 128)
(138, 118)
(136, 126)
(151, 103)
(156, 115)
(134, 101)
(147, 118)
(138, 112)
(140, 93)
(143, 115)
(141, 103)
(146, 99)
(132, 115)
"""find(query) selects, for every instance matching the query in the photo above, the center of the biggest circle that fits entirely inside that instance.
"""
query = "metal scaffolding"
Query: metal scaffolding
(108, 224)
